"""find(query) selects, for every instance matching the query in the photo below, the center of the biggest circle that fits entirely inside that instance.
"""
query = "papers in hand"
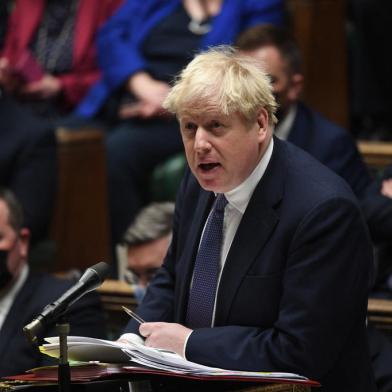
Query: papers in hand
(131, 348)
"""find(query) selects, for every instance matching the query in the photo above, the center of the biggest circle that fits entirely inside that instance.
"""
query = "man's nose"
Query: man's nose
(202, 142)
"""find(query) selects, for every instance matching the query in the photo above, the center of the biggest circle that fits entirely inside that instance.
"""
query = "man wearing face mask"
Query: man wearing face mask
(23, 294)
(147, 240)
(298, 123)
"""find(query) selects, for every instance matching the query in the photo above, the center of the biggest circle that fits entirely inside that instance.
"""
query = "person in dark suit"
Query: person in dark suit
(24, 294)
(289, 288)
(332, 145)
(298, 123)
(28, 163)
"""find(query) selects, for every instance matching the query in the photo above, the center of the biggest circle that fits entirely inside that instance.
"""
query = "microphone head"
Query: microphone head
(102, 269)
(94, 276)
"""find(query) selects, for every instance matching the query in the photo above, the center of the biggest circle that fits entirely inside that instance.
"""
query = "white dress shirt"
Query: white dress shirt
(283, 128)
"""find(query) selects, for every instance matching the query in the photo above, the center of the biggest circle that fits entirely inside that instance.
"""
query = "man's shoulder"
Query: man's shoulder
(308, 176)
(310, 119)
(85, 315)
(43, 288)
(49, 282)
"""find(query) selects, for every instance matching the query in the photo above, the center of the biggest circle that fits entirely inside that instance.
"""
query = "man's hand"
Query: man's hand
(150, 94)
(168, 336)
(7, 80)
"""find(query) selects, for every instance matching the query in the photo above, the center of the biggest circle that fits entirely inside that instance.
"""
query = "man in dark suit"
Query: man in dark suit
(28, 163)
(332, 145)
(23, 295)
(294, 260)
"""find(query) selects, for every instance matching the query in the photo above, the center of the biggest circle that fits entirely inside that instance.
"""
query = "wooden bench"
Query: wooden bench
(380, 314)
(80, 227)
(377, 155)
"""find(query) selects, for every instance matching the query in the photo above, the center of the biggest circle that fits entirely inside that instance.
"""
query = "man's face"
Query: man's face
(221, 150)
(286, 86)
(15, 245)
(145, 259)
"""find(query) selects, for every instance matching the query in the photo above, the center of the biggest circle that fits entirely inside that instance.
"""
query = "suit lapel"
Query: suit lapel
(256, 226)
(190, 250)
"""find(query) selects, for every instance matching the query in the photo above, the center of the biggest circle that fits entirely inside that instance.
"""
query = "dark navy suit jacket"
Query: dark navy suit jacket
(85, 318)
(331, 145)
(28, 163)
(293, 292)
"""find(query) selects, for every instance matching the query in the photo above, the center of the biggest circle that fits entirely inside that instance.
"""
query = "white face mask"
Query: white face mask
(139, 293)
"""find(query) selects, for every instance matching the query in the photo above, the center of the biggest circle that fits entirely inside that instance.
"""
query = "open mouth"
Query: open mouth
(206, 167)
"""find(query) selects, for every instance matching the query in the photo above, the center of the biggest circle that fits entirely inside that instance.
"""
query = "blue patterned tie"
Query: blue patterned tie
(206, 270)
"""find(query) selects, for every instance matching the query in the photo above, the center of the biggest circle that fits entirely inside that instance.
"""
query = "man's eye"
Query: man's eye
(190, 126)
(215, 124)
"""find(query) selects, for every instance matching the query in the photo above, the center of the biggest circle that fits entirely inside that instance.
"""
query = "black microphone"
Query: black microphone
(90, 280)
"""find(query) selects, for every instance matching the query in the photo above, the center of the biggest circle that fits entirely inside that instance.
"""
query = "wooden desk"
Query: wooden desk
(115, 294)
(122, 385)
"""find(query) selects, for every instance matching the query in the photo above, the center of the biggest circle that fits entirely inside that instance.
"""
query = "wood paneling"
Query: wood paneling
(319, 28)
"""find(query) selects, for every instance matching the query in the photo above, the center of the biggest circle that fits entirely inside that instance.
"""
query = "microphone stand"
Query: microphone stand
(64, 372)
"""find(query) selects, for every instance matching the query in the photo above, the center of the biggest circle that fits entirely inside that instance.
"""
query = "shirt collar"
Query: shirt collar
(282, 130)
(239, 197)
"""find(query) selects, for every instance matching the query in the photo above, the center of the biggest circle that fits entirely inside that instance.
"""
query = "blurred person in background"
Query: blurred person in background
(147, 240)
(298, 123)
(28, 164)
(23, 295)
(48, 59)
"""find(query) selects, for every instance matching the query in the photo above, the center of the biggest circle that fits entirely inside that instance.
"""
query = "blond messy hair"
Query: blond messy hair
(235, 83)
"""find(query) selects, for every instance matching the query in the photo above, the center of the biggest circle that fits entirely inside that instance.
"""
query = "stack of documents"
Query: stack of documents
(134, 351)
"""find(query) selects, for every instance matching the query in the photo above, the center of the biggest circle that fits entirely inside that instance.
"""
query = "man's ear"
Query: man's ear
(262, 121)
(296, 87)
(24, 238)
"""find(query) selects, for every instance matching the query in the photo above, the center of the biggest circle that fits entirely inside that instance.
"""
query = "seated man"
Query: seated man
(147, 240)
(270, 261)
(23, 295)
(330, 144)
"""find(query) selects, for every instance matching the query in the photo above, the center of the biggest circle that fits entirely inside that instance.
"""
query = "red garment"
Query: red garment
(91, 14)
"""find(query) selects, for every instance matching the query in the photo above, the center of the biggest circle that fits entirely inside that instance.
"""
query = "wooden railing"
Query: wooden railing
(377, 155)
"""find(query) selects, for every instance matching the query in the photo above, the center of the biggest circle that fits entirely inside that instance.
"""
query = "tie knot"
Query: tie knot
(220, 202)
